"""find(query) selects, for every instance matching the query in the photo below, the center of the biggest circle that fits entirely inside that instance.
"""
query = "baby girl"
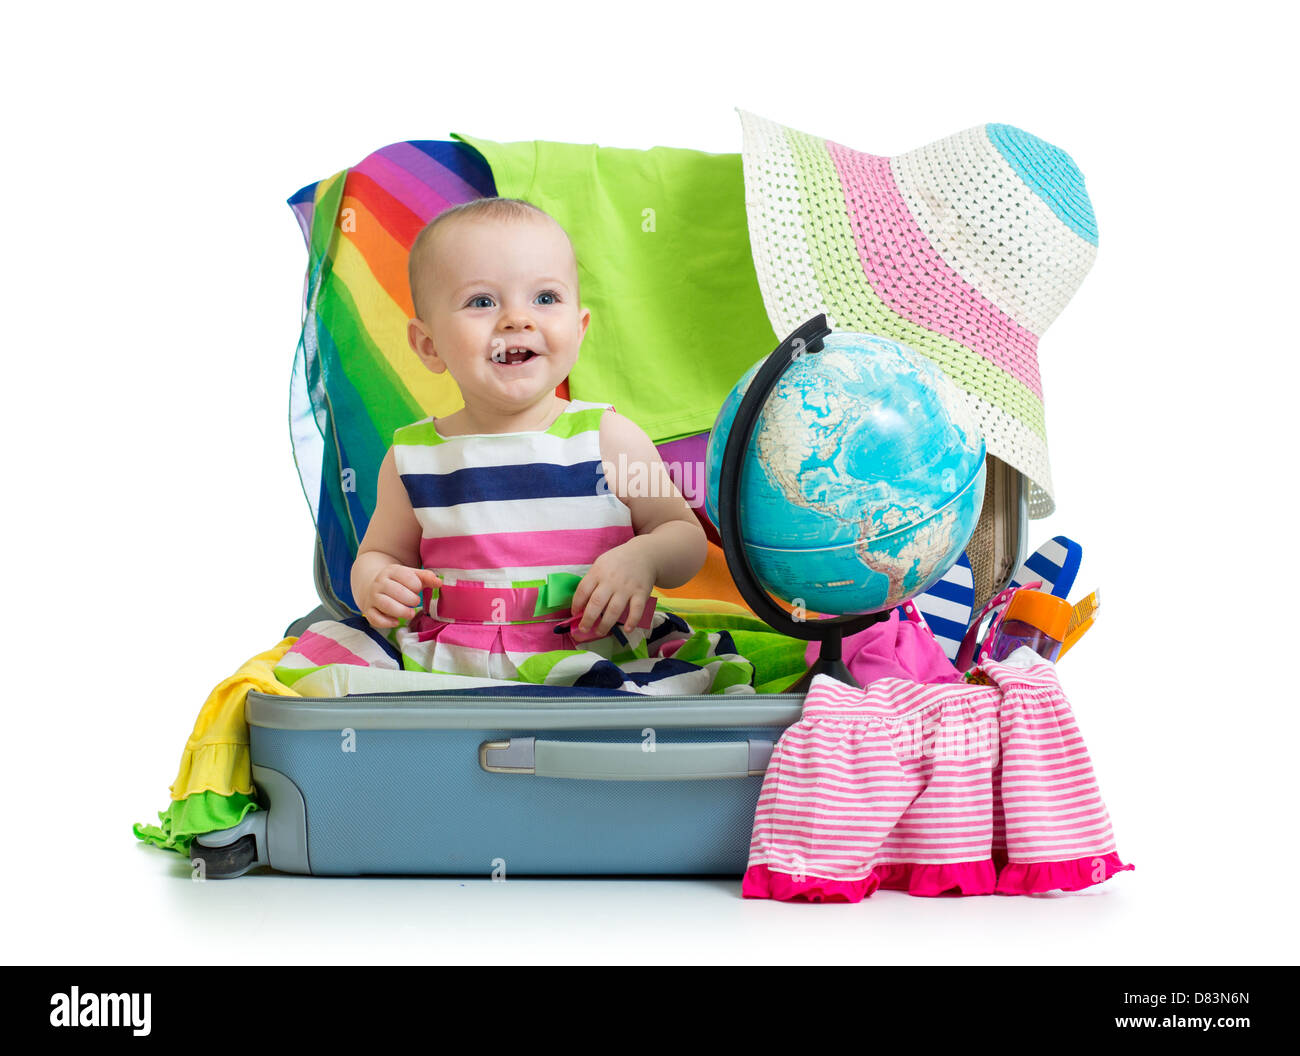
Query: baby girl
(520, 491)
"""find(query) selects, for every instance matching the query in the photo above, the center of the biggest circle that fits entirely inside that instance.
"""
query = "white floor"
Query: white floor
(147, 909)
(104, 899)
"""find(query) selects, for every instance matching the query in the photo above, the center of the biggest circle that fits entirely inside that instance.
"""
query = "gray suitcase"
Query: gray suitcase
(479, 784)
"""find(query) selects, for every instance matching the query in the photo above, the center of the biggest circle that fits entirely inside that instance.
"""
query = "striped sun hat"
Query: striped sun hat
(965, 249)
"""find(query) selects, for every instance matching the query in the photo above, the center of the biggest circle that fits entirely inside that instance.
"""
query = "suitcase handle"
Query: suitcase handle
(623, 761)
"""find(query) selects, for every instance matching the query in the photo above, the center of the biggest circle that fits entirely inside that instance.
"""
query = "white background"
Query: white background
(157, 535)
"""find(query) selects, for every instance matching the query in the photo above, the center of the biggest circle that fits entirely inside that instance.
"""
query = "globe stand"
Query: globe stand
(830, 632)
(830, 660)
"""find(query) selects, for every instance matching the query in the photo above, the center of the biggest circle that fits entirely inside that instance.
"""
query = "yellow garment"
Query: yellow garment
(216, 755)
(688, 606)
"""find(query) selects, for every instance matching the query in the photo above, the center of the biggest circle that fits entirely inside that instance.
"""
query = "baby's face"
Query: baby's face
(497, 287)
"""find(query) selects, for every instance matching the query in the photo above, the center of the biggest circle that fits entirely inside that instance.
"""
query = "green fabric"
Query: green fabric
(698, 649)
(664, 264)
(193, 816)
(778, 659)
(556, 592)
(538, 666)
(289, 675)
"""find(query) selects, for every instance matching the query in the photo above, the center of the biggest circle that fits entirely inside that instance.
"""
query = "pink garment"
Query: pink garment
(893, 648)
(931, 789)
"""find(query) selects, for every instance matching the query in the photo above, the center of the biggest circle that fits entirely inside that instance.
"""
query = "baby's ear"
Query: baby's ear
(415, 333)
(421, 342)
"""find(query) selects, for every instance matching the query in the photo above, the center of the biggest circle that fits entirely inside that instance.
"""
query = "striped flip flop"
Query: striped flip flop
(1056, 563)
(946, 608)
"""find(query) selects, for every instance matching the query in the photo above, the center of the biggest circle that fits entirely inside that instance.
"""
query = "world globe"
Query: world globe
(863, 479)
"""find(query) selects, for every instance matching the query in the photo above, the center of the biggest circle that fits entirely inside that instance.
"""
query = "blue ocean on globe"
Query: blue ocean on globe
(863, 480)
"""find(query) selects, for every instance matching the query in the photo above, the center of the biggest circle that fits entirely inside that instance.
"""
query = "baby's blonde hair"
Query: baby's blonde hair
(420, 263)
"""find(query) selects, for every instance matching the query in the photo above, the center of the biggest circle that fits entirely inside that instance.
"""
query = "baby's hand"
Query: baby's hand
(619, 579)
(394, 594)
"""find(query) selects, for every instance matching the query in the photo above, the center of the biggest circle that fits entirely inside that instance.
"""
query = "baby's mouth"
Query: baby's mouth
(511, 356)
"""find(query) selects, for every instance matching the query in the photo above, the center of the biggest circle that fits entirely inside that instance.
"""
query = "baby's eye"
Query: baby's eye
(548, 293)
(473, 302)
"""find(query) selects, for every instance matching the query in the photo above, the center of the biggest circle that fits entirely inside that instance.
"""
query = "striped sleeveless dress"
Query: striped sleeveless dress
(525, 514)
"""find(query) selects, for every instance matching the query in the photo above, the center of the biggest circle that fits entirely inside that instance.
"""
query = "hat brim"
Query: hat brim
(928, 248)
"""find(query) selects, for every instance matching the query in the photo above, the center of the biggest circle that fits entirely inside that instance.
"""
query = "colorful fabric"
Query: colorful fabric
(966, 250)
(215, 758)
(778, 660)
(214, 785)
(355, 378)
(526, 512)
(893, 648)
(684, 460)
(665, 266)
(195, 815)
(931, 789)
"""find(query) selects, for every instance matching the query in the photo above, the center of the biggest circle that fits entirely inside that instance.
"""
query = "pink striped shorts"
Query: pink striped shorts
(951, 789)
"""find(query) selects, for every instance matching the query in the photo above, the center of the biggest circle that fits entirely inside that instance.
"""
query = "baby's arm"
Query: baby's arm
(388, 575)
(670, 546)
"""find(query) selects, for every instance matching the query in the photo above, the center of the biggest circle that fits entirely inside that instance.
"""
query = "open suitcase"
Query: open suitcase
(542, 780)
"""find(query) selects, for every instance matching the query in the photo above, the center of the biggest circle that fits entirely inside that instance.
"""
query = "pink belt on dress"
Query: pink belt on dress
(547, 602)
